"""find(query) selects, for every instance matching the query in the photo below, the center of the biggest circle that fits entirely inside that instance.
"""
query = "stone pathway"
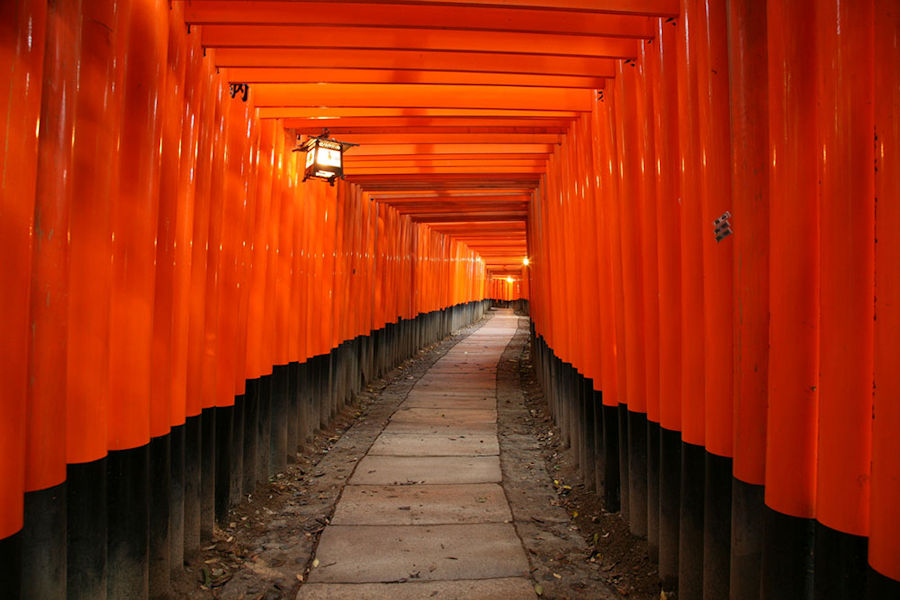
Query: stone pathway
(424, 515)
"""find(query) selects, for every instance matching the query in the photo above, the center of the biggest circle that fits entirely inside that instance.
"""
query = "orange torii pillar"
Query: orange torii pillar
(22, 35)
(845, 154)
(715, 193)
(183, 235)
(134, 222)
(750, 201)
(693, 230)
(884, 526)
(162, 394)
(793, 292)
(97, 125)
(884, 536)
(668, 214)
(197, 398)
(650, 273)
(629, 111)
(614, 374)
(44, 531)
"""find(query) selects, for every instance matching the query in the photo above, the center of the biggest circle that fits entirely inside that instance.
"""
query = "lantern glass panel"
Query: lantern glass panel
(326, 157)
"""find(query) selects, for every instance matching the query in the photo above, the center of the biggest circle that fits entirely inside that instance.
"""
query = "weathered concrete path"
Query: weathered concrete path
(424, 514)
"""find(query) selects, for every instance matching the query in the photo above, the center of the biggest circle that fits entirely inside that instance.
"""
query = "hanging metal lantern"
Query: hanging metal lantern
(324, 157)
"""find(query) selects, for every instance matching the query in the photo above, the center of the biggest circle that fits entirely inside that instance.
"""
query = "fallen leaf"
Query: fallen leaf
(538, 589)
(315, 563)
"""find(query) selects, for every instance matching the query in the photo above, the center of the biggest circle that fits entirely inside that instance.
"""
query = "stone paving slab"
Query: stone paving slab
(459, 416)
(464, 369)
(422, 505)
(444, 427)
(393, 553)
(408, 470)
(406, 444)
(510, 588)
(436, 385)
(452, 394)
(450, 402)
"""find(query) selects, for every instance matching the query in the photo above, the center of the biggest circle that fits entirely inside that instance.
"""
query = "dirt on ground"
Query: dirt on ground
(576, 549)
(622, 558)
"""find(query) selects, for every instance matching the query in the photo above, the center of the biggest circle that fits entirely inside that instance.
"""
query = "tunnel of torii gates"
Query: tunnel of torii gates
(715, 299)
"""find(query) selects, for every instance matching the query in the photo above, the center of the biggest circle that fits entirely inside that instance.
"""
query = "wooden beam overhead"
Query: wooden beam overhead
(405, 60)
(327, 116)
(254, 75)
(378, 14)
(419, 96)
(324, 38)
(662, 8)
(487, 169)
(437, 149)
(429, 125)
(371, 139)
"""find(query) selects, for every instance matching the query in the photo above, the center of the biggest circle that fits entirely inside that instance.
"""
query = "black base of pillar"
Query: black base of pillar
(882, 587)
(193, 486)
(251, 435)
(746, 539)
(224, 423)
(653, 490)
(44, 544)
(128, 537)
(787, 557)
(160, 471)
(86, 530)
(669, 506)
(717, 527)
(278, 436)
(624, 480)
(637, 473)
(599, 449)
(236, 462)
(11, 566)
(293, 412)
(841, 571)
(612, 463)
(264, 428)
(588, 467)
(176, 498)
(690, 540)
(207, 473)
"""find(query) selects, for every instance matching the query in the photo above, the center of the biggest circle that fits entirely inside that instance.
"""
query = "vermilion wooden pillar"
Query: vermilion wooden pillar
(44, 539)
(131, 309)
(196, 398)
(715, 188)
(884, 527)
(162, 366)
(668, 214)
(693, 229)
(748, 67)
(22, 41)
(845, 153)
(184, 229)
(97, 122)
(650, 283)
(793, 301)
